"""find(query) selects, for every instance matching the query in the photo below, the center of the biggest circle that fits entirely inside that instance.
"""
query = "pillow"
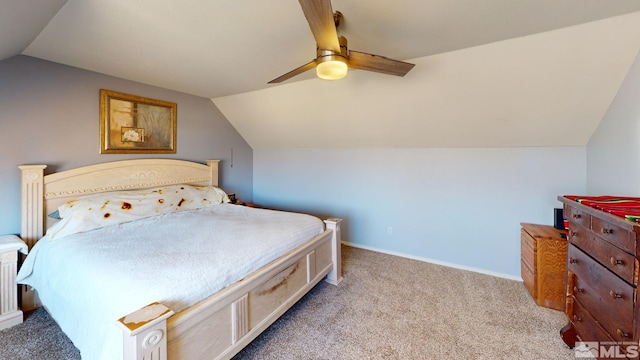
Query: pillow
(116, 207)
(55, 215)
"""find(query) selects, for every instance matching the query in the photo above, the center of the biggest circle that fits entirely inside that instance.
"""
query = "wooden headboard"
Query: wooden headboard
(42, 194)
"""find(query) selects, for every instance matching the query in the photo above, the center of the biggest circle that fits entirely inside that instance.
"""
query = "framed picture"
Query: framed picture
(132, 124)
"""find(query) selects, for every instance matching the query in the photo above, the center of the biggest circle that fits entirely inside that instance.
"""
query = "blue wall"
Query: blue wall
(49, 114)
(455, 206)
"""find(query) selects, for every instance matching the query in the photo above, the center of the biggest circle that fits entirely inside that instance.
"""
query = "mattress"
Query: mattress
(87, 281)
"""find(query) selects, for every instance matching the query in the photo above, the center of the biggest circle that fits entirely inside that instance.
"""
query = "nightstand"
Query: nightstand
(543, 264)
(10, 315)
(248, 204)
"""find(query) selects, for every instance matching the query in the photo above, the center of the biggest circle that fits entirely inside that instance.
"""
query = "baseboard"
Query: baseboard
(437, 262)
(11, 319)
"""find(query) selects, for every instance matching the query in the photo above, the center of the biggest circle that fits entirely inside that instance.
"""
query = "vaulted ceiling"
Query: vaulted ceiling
(488, 73)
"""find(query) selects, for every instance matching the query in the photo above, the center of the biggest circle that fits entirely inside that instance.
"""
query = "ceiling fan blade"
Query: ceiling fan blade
(377, 63)
(308, 66)
(320, 18)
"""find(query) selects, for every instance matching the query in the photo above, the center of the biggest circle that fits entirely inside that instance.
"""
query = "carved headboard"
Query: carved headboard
(42, 194)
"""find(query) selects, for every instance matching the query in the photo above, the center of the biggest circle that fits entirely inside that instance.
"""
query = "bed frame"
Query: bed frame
(217, 327)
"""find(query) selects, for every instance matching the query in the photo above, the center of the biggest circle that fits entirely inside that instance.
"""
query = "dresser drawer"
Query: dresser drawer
(604, 295)
(577, 216)
(614, 234)
(616, 260)
(528, 262)
(527, 249)
(577, 233)
(586, 325)
(529, 279)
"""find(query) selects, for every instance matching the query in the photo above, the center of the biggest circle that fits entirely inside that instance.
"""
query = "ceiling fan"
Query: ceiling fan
(332, 55)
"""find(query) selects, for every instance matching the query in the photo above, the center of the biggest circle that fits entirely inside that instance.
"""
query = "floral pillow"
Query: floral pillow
(116, 207)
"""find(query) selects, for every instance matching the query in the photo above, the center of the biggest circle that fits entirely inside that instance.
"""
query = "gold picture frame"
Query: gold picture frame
(132, 124)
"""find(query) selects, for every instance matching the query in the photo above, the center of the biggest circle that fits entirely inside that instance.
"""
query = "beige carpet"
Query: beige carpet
(386, 308)
(394, 308)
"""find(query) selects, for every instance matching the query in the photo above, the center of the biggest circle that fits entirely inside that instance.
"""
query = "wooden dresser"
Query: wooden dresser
(602, 277)
(543, 254)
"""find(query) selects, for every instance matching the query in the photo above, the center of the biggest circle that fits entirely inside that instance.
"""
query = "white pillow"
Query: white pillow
(116, 207)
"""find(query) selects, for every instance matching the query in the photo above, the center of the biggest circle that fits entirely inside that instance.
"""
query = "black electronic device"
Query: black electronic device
(558, 219)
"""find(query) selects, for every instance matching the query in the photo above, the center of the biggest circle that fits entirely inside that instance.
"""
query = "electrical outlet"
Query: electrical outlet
(389, 230)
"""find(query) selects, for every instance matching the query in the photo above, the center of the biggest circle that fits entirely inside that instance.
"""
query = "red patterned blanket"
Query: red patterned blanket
(624, 206)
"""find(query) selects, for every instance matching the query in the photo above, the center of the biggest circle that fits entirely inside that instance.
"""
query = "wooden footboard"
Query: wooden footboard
(220, 326)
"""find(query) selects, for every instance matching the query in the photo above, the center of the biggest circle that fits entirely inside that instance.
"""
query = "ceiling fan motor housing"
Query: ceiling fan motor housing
(344, 52)
(330, 64)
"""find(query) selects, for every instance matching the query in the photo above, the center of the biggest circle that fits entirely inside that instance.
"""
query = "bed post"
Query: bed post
(31, 220)
(335, 275)
(32, 212)
(214, 164)
(145, 333)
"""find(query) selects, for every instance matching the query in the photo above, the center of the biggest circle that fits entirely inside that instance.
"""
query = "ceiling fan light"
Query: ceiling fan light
(331, 67)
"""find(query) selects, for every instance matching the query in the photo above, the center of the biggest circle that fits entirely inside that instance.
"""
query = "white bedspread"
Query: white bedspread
(89, 280)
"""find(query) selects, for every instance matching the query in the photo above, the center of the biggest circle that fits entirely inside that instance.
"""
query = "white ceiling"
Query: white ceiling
(229, 50)
(218, 48)
(547, 89)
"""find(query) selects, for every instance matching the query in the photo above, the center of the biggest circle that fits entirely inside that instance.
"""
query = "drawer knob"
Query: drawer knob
(576, 318)
(573, 261)
(615, 261)
(615, 295)
(622, 333)
(606, 231)
(577, 289)
(575, 216)
(574, 233)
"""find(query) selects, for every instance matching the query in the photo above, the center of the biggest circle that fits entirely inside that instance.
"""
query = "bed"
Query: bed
(215, 324)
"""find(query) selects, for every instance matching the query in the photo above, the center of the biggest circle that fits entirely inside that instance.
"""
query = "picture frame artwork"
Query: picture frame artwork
(131, 124)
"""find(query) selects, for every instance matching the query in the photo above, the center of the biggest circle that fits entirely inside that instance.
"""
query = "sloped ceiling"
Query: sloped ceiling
(482, 78)
(548, 89)
(21, 21)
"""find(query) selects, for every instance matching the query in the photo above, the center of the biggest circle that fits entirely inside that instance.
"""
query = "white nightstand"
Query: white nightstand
(10, 315)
